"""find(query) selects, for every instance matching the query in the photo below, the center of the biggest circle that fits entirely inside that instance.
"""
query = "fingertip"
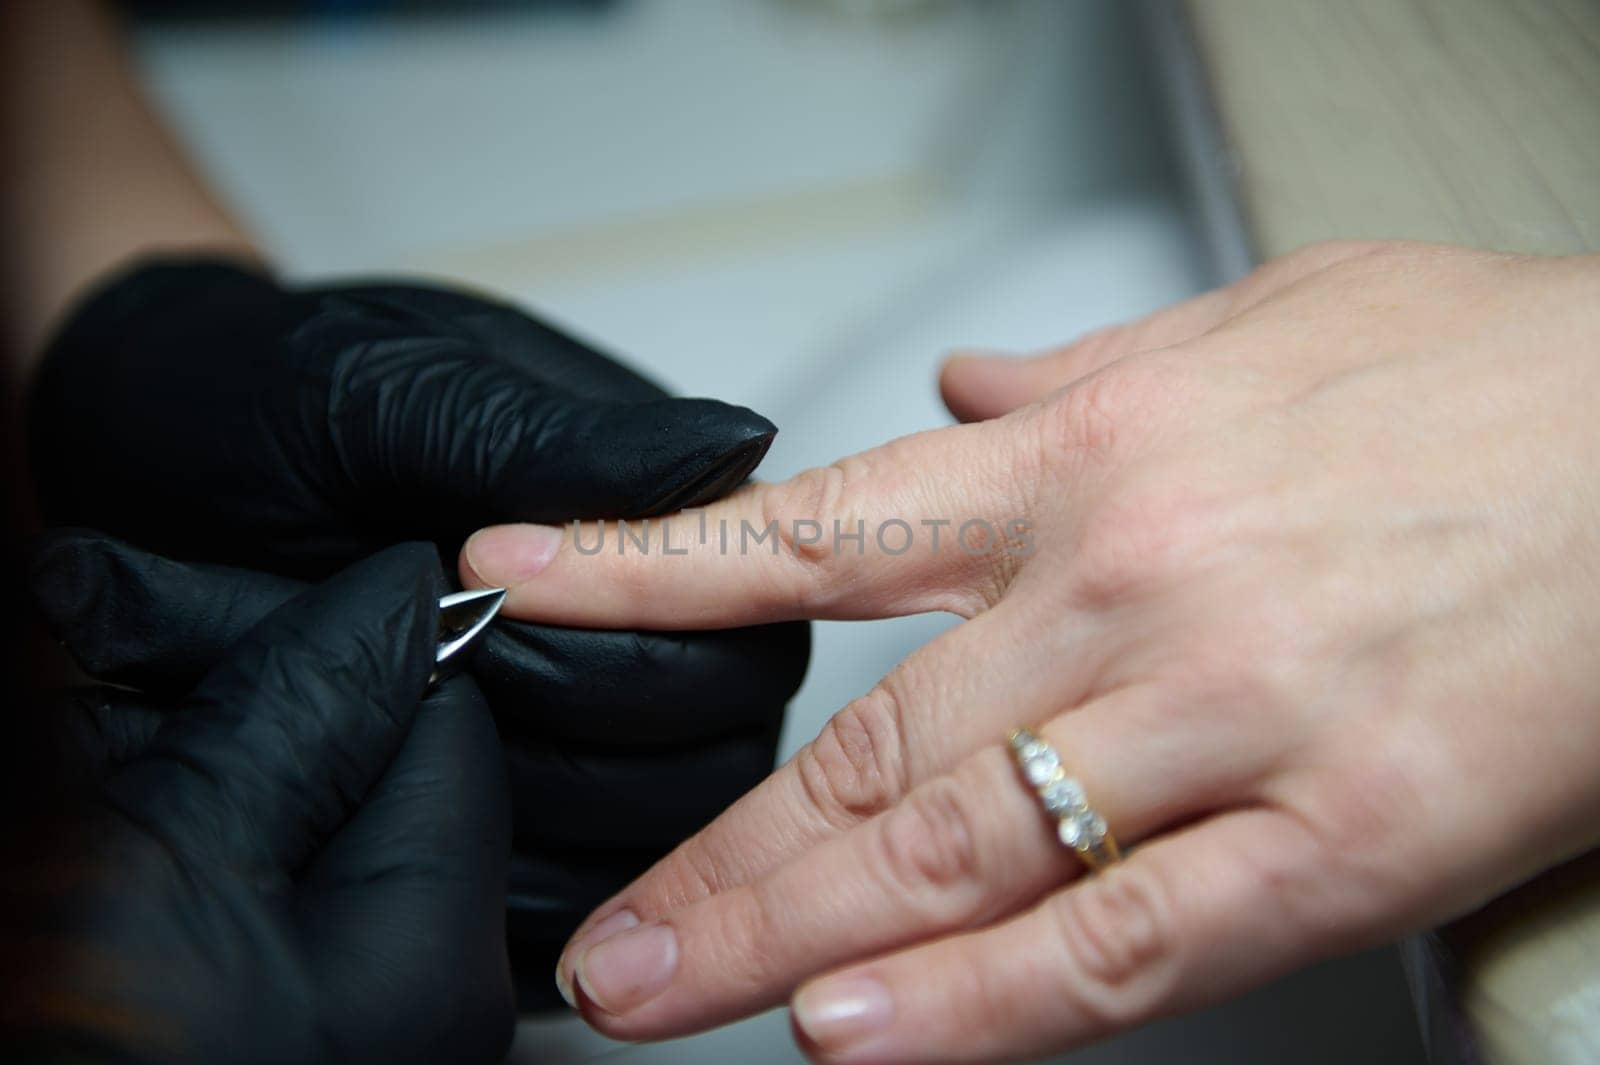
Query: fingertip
(634, 460)
(505, 556)
(469, 577)
(63, 568)
(409, 571)
(564, 984)
(838, 1017)
(972, 384)
(953, 385)
(72, 559)
(739, 424)
(387, 604)
(587, 936)
(716, 445)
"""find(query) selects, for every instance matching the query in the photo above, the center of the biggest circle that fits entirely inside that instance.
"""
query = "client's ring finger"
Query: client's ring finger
(960, 850)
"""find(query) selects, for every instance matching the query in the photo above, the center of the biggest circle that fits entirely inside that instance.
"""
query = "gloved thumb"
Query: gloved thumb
(453, 441)
(141, 620)
(281, 740)
(578, 459)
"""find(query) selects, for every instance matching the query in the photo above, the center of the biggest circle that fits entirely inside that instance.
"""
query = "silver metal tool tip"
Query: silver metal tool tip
(462, 618)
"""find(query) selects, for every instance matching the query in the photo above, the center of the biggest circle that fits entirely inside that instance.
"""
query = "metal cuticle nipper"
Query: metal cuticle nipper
(463, 617)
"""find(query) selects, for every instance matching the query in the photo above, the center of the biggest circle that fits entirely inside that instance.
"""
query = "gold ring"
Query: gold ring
(1079, 827)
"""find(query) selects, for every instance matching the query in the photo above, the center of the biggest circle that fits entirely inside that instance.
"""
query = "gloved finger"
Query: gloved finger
(280, 740)
(599, 798)
(506, 334)
(98, 728)
(491, 446)
(417, 876)
(580, 459)
(133, 618)
(639, 688)
(433, 431)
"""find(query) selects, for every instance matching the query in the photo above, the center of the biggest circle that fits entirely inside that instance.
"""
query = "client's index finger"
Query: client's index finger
(707, 568)
(903, 528)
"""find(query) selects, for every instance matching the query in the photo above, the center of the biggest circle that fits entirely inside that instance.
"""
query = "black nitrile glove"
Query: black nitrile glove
(302, 860)
(207, 413)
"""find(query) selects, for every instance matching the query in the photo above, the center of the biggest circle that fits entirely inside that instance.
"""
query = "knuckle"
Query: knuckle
(1264, 658)
(1355, 869)
(928, 846)
(984, 490)
(691, 873)
(1240, 667)
(856, 767)
(748, 929)
(811, 499)
(807, 512)
(1362, 817)
(1304, 883)
(1141, 536)
(1086, 422)
(1103, 417)
(1119, 939)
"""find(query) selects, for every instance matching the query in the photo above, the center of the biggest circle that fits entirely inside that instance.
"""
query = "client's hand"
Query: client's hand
(207, 413)
(1306, 594)
(302, 860)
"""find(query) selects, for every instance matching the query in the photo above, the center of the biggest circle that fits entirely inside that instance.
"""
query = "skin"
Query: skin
(93, 179)
(1311, 613)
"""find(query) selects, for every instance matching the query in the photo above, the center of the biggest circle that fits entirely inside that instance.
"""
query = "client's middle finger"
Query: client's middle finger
(947, 700)
(961, 850)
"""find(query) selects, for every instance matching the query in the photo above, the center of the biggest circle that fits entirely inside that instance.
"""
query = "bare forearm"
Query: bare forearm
(91, 176)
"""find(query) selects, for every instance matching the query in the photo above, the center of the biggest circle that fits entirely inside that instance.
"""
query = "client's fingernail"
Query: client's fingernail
(837, 1014)
(620, 921)
(629, 969)
(503, 555)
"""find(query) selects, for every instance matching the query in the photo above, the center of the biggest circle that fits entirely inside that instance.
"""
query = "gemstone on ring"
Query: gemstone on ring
(1061, 796)
(1041, 767)
(1079, 826)
(1082, 829)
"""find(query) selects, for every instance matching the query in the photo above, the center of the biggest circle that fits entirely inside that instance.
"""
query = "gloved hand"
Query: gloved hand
(302, 860)
(204, 411)
(210, 414)
(588, 812)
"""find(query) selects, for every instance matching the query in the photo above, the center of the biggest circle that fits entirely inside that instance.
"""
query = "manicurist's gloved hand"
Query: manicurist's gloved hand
(301, 860)
(208, 413)
(587, 813)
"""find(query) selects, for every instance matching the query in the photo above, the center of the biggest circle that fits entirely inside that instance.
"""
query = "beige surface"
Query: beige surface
(1470, 121)
(1475, 122)
(1531, 970)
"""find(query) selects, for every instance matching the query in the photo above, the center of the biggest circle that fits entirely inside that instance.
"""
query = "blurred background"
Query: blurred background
(797, 205)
